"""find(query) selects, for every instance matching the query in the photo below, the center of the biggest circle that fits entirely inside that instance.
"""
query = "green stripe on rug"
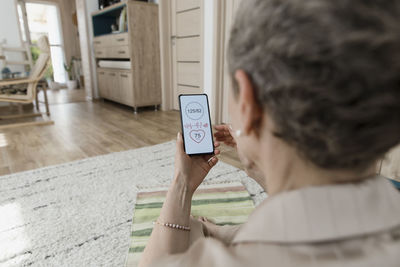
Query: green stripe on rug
(144, 232)
(218, 203)
(136, 249)
(194, 202)
(151, 199)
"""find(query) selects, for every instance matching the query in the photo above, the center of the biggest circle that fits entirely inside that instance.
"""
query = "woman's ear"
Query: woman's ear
(250, 111)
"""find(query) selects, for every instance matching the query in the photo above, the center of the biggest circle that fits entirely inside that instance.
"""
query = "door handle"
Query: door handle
(173, 38)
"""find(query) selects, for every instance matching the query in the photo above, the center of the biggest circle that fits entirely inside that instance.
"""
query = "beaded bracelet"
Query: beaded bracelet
(173, 225)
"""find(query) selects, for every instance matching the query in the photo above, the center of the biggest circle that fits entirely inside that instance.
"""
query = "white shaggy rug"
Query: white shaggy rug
(80, 213)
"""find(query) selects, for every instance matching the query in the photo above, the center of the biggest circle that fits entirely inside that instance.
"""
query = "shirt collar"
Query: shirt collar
(324, 213)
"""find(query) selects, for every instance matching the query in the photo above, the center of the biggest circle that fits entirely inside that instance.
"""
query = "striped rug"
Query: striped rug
(225, 204)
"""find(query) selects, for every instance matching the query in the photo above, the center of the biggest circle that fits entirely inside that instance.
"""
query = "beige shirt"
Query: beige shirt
(334, 225)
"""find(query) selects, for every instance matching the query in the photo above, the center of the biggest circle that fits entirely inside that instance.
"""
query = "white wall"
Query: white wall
(208, 52)
(84, 10)
(92, 6)
(9, 31)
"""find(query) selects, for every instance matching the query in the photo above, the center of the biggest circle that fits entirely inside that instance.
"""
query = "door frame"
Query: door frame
(218, 50)
(165, 24)
(218, 59)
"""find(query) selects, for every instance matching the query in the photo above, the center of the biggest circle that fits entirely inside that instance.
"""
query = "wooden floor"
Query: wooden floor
(87, 129)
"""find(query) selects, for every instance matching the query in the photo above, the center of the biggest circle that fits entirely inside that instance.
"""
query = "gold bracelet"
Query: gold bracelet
(173, 225)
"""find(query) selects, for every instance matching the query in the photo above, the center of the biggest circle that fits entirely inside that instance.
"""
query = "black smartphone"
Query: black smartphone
(196, 124)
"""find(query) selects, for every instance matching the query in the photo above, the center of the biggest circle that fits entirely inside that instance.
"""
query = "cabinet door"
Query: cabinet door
(102, 80)
(126, 88)
(114, 88)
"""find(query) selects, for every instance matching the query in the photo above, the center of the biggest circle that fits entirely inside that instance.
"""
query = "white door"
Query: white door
(187, 47)
(230, 11)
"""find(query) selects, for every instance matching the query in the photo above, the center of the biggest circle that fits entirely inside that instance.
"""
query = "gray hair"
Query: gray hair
(327, 71)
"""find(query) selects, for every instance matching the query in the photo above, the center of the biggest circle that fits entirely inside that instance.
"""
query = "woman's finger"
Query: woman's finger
(179, 143)
(208, 157)
(221, 127)
(219, 134)
(212, 161)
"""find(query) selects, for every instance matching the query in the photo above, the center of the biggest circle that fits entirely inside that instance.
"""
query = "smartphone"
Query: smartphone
(196, 124)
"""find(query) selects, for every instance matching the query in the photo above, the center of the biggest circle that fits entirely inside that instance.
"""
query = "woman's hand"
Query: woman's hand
(223, 133)
(191, 170)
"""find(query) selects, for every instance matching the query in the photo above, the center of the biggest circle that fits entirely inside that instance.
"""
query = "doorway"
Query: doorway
(187, 47)
(44, 19)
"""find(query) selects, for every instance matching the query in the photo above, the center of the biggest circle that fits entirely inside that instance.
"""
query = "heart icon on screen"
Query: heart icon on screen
(197, 135)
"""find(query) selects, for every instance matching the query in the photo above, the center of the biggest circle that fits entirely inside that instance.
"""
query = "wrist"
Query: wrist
(181, 185)
(177, 205)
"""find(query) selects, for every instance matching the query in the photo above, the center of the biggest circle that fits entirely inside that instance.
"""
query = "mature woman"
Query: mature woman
(315, 104)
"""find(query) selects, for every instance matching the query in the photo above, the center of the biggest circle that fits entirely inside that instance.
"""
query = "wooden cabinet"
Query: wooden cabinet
(116, 85)
(139, 45)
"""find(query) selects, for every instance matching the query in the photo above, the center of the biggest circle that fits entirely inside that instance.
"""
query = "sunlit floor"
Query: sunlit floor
(64, 96)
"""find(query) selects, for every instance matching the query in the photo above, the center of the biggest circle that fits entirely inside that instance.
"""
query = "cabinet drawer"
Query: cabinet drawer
(101, 41)
(119, 39)
(100, 52)
(119, 52)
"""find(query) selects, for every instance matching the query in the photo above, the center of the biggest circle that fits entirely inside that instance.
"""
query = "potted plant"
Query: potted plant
(48, 75)
(71, 83)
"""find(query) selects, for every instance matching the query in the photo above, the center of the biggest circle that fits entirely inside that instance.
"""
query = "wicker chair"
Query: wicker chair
(25, 90)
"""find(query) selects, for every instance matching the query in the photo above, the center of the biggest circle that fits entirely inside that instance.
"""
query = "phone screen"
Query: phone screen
(196, 124)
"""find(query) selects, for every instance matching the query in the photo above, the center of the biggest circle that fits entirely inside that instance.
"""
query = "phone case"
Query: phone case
(209, 118)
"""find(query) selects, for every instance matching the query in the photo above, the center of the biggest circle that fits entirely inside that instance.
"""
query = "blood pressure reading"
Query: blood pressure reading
(196, 124)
